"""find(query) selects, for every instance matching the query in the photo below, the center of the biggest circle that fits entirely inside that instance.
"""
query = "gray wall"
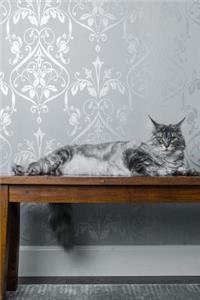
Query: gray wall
(84, 71)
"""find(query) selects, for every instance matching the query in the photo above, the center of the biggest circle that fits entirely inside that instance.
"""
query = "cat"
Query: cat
(162, 155)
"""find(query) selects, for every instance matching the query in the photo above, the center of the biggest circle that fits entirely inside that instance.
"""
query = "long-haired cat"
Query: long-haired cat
(162, 155)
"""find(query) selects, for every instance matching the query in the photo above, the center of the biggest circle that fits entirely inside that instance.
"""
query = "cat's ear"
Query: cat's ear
(180, 123)
(154, 122)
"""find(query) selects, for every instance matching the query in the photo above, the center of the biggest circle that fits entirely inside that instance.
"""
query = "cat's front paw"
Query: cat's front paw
(192, 172)
(162, 172)
(56, 172)
(181, 171)
(184, 172)
(178, 173)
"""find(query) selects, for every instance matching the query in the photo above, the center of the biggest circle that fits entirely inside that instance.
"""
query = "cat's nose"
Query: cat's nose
(166, 143)
(166, 146)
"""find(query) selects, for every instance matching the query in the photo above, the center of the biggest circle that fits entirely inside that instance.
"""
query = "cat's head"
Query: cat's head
(168, 137)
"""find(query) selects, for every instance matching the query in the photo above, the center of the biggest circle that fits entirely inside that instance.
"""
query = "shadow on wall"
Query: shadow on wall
(100, 224)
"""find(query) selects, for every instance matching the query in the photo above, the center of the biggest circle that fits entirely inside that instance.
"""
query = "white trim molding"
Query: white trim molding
(110, 261)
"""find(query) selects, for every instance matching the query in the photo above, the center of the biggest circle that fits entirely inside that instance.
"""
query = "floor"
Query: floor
(106, 292)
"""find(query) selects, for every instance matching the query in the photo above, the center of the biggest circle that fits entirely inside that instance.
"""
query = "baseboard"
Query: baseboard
(102, 261)
(111, 280)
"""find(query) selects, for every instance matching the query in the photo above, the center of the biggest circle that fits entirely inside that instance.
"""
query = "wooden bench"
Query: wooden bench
(43, 189)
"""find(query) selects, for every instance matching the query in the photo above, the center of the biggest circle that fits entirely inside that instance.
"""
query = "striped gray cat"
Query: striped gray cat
(162, 155)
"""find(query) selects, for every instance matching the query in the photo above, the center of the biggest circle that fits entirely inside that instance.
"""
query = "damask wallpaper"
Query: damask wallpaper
(91, 71)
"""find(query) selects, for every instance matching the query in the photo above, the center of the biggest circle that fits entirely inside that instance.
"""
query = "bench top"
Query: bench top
(85, 180)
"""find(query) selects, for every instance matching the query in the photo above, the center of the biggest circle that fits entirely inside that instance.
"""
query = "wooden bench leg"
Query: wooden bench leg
(3, 238)
(13, 252)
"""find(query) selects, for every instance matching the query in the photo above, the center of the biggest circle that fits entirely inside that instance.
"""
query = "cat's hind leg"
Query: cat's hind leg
(45, 166)
(18, 169)
(138, 160)
(34, 169)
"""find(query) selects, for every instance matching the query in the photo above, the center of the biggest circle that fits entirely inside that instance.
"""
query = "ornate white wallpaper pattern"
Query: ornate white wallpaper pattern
(92, 70)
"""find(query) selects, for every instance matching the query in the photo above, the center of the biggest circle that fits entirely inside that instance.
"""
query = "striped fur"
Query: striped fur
(162, 155)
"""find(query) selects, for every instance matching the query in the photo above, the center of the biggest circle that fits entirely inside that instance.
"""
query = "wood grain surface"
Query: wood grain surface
(65, 180)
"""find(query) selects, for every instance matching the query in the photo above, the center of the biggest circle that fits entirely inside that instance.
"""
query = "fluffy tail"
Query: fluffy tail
(60, 220)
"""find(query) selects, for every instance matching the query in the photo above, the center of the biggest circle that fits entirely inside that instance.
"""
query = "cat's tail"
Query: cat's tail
(61, 222)
(18, 169)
